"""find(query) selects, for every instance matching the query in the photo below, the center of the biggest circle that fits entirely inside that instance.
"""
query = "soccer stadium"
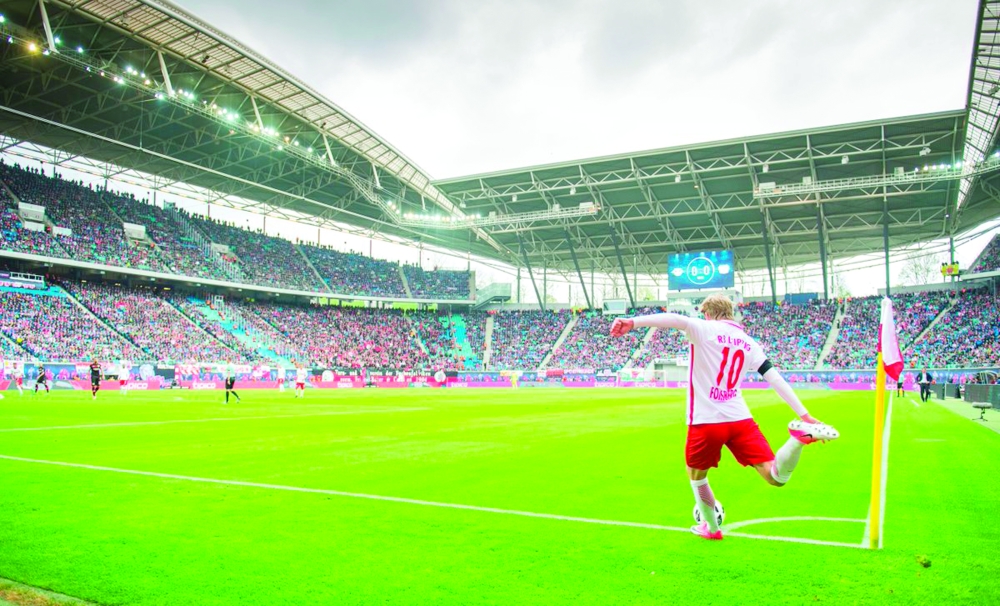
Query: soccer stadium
(252, 353)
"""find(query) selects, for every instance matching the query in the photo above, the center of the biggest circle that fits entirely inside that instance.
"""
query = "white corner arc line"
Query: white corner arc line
(746, 523)
(213, 420)
(408, 501)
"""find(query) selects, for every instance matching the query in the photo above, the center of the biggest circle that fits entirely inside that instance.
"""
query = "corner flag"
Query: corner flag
(888, 343)
(889, 361)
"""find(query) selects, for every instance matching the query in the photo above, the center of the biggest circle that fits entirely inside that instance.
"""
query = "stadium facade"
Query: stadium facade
(130, 87)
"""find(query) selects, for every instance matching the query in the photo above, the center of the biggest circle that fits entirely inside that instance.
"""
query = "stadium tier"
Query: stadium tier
(589, 346)
(966, 335)
(76, 320)
(355, 274)
(522, 339)
(859, 325)
(792, 335)
(88, 225)
(989, 259)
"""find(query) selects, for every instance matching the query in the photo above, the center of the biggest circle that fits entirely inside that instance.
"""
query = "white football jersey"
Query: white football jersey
(721, 352)
(301, 375)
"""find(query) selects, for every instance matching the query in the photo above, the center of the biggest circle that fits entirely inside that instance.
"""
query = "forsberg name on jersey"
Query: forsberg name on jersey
(733, 342)
(722, 395)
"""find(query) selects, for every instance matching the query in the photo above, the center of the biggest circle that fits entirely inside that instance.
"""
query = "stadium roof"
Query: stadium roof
(240, 126)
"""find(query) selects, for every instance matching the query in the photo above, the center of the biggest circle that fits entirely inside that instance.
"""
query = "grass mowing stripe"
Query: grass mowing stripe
(372, 497)
(212, 420)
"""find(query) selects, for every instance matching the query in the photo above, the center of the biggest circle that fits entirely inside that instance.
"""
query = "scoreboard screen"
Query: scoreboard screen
(708, 269)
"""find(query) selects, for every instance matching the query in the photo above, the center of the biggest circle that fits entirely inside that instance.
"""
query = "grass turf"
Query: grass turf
(114, 538)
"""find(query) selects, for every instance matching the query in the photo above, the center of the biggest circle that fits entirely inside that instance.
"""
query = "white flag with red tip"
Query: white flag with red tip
(888, 342)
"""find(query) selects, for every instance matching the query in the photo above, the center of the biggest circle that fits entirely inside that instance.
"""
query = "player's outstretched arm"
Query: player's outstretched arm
(622, 326)
(780, 385)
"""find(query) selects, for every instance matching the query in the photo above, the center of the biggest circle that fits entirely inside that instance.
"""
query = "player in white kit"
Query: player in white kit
(717, 415)
(124, 372)
(301, 375)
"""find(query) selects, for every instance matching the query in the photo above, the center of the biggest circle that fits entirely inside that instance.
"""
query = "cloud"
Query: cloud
(463, 87)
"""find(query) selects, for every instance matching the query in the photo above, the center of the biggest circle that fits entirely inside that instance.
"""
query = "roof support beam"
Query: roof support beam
(764, 228)
(821, 232)
(576, 264)
(166, 78)
(621, 263)
(48, 28)
(527, 265)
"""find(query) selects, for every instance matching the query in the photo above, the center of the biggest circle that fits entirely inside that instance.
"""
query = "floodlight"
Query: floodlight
(845, 159)
(924, 151)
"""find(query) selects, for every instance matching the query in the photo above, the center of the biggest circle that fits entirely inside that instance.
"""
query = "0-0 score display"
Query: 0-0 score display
(706, 269)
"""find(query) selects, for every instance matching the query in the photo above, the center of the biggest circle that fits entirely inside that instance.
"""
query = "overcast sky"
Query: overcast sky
(469, 86)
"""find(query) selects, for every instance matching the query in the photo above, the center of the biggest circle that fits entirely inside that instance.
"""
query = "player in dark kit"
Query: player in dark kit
(41, 379)
(95, 379)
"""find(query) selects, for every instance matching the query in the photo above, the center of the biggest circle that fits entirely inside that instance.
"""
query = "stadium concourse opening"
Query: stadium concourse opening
(472, 390)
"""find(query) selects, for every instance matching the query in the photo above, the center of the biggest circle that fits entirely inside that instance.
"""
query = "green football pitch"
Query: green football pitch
(479, 497)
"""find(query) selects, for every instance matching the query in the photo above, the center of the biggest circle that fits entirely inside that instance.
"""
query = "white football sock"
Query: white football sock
(705, 500)
(786, 460)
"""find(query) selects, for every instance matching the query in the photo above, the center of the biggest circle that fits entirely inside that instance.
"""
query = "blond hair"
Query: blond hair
(717, 307)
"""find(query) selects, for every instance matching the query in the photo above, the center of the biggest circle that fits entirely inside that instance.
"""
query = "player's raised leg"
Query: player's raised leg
(779, 471)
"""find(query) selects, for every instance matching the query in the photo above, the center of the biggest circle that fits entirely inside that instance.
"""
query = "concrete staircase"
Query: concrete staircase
(642, 347)
(416, 333)
(230, 270)
(322, 282)
(488, 342)
(12, 347)
(930, 326)
(562, 337)
(111, 329)
(406, 283)
(48, 221)
(233, 323)
(831, 339)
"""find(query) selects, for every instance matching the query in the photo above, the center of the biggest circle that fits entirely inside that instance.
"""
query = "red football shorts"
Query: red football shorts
(300, 385)
(742, 438)
(20, 380)
(122, 382)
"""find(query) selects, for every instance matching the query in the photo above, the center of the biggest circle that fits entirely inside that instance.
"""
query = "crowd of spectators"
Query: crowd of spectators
(989, 259)
(858, 335)
(249, 318)
(94, 218)
(264, 259)
(522, 339)
(97, 235)
(165, 227)
(148, 320)
(967, 335)
(53, 328)
(437, 284)
(665, 344)
(16, 237)
(214, 328)
(792, 335)
(589, 345)
(355, 274)
(344, 337)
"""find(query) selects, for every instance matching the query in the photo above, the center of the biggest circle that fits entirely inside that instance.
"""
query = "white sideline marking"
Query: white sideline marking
(885, 476)
(913, 401)
(374, 497)
(212, 420)
(886, 432)
(790, 519)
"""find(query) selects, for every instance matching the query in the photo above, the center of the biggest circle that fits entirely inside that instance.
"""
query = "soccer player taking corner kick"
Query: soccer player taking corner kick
(717, 414)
